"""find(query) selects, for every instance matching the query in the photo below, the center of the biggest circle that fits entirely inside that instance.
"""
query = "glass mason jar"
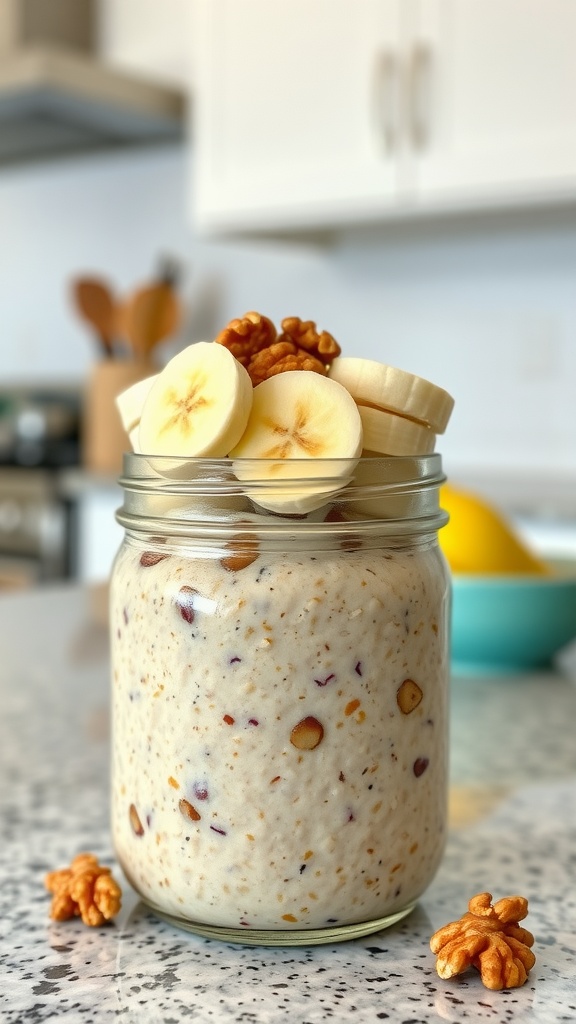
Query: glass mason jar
(280, 664)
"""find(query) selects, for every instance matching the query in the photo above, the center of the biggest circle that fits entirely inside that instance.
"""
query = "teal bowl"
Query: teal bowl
(506, 624)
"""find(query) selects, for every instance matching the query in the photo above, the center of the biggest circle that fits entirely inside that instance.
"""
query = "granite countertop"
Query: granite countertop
(513, 830)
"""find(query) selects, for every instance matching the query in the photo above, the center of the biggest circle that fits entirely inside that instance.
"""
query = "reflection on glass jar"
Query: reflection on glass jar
(280, 696)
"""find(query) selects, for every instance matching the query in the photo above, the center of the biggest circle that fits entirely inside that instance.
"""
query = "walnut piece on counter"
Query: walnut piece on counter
(489, 938)
(86, 889)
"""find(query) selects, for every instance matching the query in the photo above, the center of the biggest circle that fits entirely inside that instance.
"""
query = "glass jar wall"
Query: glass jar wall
(279, 693)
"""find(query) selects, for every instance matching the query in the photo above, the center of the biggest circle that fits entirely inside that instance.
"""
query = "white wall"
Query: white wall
(486, 308)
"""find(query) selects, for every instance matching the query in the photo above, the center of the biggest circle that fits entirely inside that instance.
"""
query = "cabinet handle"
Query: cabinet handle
(385, 100)
(419, 83)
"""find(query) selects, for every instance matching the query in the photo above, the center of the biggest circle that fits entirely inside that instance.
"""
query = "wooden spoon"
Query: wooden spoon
(151, 314)
(96, 305)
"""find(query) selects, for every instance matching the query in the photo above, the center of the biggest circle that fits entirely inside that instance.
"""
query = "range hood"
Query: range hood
(57, 98)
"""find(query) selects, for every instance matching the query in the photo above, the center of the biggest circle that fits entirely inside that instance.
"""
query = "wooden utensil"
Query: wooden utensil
(96, 305)
(151, 314)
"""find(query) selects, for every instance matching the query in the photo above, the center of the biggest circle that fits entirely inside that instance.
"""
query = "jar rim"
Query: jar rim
(396, 469)
(200, 496)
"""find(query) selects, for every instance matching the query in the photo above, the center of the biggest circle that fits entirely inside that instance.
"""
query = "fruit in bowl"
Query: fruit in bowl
(512, 610)
(479, 539)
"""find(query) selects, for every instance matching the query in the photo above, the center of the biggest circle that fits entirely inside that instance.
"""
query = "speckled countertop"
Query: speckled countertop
(513, 829)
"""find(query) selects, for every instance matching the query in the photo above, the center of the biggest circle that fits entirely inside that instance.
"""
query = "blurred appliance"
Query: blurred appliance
(39, 427)
(39, 437)
(57, 97)
(33, 528)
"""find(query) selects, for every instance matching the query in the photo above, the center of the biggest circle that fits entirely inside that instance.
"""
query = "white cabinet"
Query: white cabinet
(147, 37)
(312, 113)
(497, 84)
(287, 104)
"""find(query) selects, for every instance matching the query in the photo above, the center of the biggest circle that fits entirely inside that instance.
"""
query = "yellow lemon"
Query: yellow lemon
(478, 539)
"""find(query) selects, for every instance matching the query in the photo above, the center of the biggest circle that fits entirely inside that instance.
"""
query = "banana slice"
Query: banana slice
(373, 473)
(131, 401)
(306, 429)
(198, 405)
(375, 384)
(134, 438)
(388, 434)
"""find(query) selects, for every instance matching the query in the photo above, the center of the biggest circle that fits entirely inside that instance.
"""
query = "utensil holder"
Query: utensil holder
(104, 439)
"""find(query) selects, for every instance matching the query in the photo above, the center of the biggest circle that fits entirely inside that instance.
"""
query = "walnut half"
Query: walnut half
(280, 357)
(86, 889)
(489, 938)
(254, 342)
(305, 335)
(247, 335)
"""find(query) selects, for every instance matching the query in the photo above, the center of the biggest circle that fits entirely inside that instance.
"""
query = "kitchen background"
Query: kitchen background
(478, 296)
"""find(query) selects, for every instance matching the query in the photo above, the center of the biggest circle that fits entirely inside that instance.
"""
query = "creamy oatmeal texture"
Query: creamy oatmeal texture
(280, 751)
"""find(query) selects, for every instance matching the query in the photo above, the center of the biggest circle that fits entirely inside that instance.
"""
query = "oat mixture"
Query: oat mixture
(280, 732)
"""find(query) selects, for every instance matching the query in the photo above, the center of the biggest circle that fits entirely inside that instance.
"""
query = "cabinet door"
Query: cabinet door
(492, 87)
(296, 113)
(147, 38)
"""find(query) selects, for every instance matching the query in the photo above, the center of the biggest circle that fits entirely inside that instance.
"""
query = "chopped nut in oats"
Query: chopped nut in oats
(188, 810)
(307, 734)
(408, 696)
(135, 822)
(243, 551)
(149, 558)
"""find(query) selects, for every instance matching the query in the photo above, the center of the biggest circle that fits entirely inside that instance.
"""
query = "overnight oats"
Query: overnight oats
(280, 700)
(280, 638)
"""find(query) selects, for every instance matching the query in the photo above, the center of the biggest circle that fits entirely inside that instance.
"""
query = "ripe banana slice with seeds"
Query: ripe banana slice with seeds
(384, 387)
(305, 429)
(198, 405)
